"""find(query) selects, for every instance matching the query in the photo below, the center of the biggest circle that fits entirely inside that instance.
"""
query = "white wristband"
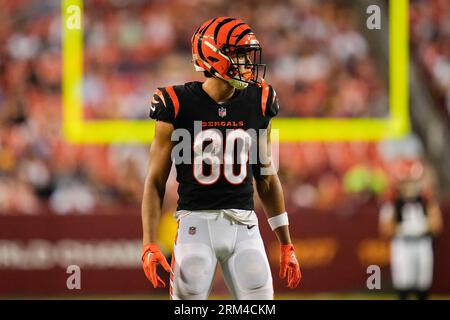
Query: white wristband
(278, 221)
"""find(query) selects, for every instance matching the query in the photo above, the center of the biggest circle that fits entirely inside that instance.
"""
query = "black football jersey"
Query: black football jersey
(220, 178)
(404, 207)
(411, 217)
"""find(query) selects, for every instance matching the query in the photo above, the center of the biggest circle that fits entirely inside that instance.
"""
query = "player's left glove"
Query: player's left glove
(289, 266)
(151, 256)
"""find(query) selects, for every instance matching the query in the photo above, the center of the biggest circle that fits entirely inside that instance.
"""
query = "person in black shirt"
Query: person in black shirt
(411, 217)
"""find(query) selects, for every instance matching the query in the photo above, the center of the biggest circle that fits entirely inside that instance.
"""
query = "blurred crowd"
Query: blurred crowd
(314, 51)
(318, 61)
(430, 39)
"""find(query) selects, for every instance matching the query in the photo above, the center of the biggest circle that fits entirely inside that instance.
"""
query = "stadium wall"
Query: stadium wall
(334, 250)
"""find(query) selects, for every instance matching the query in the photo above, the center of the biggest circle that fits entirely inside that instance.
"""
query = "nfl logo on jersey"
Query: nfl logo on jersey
(222, 112)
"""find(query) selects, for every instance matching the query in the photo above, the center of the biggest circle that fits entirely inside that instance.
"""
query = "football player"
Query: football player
(412, 218)
(215, 214)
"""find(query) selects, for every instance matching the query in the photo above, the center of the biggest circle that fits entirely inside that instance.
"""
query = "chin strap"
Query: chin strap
(237, 84)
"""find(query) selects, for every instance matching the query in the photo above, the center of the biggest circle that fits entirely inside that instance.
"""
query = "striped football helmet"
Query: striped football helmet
(226, 48)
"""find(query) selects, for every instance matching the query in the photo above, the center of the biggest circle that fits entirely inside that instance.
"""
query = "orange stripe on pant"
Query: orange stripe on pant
(172, 265)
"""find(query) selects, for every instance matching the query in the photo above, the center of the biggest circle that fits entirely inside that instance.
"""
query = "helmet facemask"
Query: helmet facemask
(246, 65)
(226, 48)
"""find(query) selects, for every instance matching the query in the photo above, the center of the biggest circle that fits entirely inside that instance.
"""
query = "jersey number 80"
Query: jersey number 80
(216, 153)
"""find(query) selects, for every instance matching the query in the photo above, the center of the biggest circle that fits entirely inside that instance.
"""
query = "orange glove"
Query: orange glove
(289, 265)
(151, 256)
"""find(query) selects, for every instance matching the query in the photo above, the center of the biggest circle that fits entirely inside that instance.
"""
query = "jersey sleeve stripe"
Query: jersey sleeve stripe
(174, 98)
(264, 97)
(159, 94)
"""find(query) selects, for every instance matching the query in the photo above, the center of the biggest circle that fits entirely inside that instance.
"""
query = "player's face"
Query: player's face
(244, 61)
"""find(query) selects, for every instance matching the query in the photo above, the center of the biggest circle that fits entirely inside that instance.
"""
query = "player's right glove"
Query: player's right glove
(289, 265)
(151, 256)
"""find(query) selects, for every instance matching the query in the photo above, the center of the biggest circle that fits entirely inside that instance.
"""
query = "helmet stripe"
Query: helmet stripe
(220, 25)
(195, 33)
(199, 43)
(204, 29)
(243, 34)
(231, 32)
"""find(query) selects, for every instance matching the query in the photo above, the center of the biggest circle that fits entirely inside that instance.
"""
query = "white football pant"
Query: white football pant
(412, 263)
(203, 240)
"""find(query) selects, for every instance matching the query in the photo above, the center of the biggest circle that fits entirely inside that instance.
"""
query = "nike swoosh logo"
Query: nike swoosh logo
(153, 108)
(250, 227)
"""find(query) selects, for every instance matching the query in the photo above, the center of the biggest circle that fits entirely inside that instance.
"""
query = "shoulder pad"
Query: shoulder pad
(160, 109)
